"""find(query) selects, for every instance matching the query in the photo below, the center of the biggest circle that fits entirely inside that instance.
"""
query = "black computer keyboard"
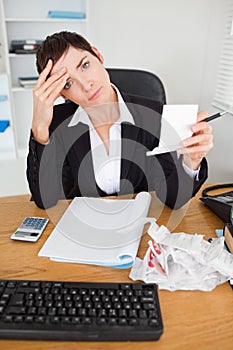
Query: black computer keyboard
(83, 311)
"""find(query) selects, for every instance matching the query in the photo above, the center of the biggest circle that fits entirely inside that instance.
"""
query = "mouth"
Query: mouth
(95, 95)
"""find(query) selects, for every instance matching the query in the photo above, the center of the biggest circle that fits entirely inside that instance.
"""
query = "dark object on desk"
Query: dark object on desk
(228, 235)
(81, 311)
(221, 204)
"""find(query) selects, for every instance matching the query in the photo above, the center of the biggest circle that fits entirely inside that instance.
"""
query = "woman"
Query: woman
(95, 145)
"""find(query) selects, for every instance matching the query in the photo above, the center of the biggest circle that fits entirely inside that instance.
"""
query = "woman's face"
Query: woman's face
(88, 83)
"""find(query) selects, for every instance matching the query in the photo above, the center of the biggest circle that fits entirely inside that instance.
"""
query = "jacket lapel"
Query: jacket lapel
(147, 122)
(79, 138)
(129, 136)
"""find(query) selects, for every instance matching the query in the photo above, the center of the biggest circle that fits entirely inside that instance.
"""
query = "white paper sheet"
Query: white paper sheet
(175, 127)
(99, 231)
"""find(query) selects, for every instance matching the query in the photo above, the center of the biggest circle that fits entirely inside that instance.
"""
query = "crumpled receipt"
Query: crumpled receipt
(181, 261)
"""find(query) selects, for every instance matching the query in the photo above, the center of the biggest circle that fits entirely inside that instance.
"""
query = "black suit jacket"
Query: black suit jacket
(64, 167)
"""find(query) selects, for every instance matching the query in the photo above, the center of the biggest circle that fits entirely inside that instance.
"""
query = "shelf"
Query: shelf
(20, 55)
(21, 89)
(46, 20)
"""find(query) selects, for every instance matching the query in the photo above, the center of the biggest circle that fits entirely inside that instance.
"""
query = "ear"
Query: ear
(98, 54)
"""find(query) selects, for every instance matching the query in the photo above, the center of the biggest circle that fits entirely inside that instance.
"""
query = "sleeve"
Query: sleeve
(172, 184)
(193, 173)
(44, 173)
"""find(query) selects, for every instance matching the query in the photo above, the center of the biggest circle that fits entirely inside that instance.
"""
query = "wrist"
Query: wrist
(40, 134)
(193, 164)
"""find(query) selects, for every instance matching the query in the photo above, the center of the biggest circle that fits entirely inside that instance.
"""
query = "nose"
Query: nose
(86, 83)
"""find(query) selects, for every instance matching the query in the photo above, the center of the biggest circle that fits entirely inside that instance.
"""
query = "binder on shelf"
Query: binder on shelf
(3, 98)
(4, 125)
(66, 14)
(27, 82)
(25, 46)
(99, 231)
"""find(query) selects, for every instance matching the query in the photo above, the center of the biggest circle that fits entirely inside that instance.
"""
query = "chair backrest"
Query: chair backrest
(138, 82)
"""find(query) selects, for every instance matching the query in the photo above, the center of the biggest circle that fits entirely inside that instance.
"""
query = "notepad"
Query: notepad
(99, 231)
(175, 127)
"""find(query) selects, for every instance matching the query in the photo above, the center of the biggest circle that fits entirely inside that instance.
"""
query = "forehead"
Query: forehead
(71, 57)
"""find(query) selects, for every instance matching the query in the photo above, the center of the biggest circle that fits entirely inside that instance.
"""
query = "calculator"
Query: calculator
(30, 229)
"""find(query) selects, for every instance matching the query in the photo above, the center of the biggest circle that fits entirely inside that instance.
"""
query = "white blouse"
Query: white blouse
(107, 166)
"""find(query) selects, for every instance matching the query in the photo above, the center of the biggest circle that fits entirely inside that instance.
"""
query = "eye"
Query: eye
(68, 85)
(85, 65)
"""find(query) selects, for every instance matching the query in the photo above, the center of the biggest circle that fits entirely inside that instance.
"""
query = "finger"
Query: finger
(45, 89)
(54, 91)
(51, 80)
(194, 153)
(202, 115)
(197, 139)
(197, 151)
(43, 75)
(189, 159)
(201, 127)
(201, 148)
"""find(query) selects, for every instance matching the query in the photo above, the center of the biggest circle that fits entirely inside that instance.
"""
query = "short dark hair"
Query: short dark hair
(55, 45)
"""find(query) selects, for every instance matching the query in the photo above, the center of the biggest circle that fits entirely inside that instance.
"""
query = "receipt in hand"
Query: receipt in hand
(175, 127)
(183, 261)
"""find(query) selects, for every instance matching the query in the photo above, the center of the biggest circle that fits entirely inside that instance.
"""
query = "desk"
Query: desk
(192, 319)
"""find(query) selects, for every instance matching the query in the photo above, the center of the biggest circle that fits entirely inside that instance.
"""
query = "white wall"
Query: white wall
(179, 40)
(13, 177)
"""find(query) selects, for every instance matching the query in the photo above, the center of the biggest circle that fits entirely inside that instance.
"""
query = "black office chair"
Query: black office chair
(138, 82)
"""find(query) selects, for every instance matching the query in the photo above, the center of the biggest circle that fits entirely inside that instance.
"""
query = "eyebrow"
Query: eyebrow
(80, 63)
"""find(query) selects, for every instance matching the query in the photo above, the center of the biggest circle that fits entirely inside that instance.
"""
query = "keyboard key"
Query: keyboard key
(14, 310)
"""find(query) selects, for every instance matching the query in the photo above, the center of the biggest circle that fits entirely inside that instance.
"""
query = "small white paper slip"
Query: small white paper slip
(175, 127)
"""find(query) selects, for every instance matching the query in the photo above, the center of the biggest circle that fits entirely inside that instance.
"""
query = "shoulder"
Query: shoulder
(143, 101)
(145, 112)
(63, 113)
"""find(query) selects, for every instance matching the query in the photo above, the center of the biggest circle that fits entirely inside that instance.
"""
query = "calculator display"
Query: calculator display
(24, 233)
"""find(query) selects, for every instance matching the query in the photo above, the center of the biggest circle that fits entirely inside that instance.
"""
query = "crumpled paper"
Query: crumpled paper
(181, 261)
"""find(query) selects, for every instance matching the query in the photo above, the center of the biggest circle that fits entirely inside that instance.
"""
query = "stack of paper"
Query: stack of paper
(99, 231)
